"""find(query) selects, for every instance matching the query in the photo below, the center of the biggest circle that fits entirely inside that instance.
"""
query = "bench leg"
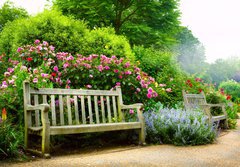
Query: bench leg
(26, 139)
(46, 141)
(142, 136)
(45, 145)
(226, 124)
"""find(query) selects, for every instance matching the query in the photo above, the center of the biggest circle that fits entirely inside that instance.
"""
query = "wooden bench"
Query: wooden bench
(193, 101)
(70, 111)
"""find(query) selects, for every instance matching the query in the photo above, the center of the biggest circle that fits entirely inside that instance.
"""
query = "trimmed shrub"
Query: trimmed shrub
(66, 34)
(178, 127)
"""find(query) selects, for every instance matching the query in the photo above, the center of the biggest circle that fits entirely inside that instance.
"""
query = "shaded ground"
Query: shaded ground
(225, 152)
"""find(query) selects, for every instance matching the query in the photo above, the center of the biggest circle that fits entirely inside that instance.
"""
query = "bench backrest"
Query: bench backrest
(75, 106)
(193, 100)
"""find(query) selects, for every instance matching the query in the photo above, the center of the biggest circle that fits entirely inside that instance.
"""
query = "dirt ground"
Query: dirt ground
(225, 152)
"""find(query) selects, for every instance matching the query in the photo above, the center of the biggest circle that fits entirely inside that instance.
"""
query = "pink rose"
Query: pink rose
(11, 70)
(89, 86)
(100, 68)
(127, 64)
(45, 43)
(149, 95)
(168, 90)
(138, 77)
(11, 81)
(106, 67)
(162, 85)
(155, 94)
(6, 74)
(35, 80)
(37, 41)
(51, 48)
(19, 49)
(68, 81)
(150, 90)
(131, 111)
(65, 65)
(128, 72)
(55, 68)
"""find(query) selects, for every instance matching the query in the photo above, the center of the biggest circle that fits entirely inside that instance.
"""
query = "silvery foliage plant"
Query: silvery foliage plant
(178, 126)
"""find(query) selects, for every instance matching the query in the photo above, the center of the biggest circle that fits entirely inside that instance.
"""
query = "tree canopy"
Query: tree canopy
(144, 22)
(9, 12)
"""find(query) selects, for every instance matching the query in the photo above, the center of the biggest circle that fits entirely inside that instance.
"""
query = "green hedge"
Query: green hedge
(65, 33)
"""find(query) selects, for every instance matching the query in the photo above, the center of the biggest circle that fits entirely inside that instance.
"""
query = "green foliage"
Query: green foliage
(162, 65)
(8, 13)
(178, 127)
(144, 22)
(66, 34)
(104, 41)
(223, 70)
(10, 140)
(43, 67)
(232, 88)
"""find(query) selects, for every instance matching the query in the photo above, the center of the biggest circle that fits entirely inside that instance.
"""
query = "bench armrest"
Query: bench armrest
(42, 107)
(215, 105)
(131, 106)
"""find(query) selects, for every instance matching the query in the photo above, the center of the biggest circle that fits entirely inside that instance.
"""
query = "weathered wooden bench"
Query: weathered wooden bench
(70, 111)
(193, 101)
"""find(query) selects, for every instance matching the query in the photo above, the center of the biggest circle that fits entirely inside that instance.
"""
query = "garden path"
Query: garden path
(225, 152)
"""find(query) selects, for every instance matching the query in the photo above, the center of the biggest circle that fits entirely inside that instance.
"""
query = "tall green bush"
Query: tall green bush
(232, 88)
(65, 33)
(163, 66)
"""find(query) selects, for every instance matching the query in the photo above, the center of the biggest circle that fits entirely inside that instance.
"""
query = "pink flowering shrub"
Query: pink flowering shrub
(43, 67)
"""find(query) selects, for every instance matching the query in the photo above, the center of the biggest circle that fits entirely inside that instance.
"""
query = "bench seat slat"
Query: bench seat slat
(73, 129)
(49, 91)
(54, 130)
(219, 117)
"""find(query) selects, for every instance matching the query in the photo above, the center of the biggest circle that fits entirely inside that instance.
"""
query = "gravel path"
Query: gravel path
(225, 152)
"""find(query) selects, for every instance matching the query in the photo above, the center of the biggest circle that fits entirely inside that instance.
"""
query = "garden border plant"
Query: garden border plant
(178, 127)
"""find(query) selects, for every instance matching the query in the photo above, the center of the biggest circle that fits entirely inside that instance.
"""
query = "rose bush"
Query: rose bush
(44, 67)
